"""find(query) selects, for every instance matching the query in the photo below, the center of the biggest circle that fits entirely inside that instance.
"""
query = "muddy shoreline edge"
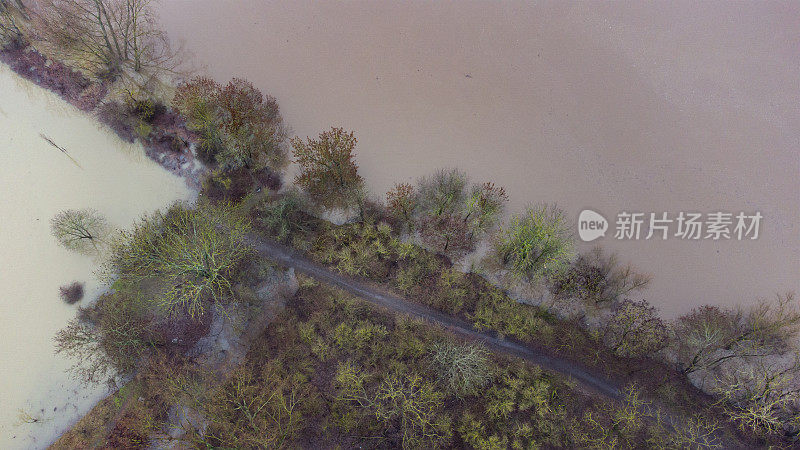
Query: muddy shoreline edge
(171, 144)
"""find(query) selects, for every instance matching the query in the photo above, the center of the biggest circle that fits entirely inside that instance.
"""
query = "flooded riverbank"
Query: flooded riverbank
(642, 107)
(40, 399)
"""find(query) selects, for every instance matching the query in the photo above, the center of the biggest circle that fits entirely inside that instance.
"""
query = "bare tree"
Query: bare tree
(763, 397)
(635, 330)
(599, 279)
(447, 234)
(710, 336)
(12, 12)
(80, 230)
(106, 35)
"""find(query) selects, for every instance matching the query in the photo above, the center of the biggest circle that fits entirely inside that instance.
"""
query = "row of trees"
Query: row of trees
(449, 213)
(747, 356)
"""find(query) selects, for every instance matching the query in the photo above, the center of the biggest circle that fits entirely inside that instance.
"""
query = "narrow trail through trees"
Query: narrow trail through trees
(375, 295)
(586, 381)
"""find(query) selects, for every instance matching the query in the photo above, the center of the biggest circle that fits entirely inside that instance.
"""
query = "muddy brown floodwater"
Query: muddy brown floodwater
(649, 107)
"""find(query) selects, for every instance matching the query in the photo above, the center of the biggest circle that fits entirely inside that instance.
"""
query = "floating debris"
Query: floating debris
(63, 150)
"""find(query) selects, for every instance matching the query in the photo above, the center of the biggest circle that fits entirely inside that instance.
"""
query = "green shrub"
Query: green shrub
(143, 130)
(496, 311)
(358, 337)
(192, 254)
(358, 249)
(283, 217)
(416, 266)
(250, 410)
(536, 245)
(462, 369)
(474, 433)
(450, 292)
(520, 409)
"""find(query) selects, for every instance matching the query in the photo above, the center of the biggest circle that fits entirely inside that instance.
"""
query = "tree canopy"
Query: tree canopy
(536, 244)
(238, 126)
(328, 171)
(81, 230)
(192, 255)
(105, 35)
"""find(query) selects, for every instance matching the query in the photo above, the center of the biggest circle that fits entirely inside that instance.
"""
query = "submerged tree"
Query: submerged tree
(106, 35)
(328, 171)
(536, 244)
(598, 279)
(192, 255)
(484, 207)
(81, 230)
(443, 193)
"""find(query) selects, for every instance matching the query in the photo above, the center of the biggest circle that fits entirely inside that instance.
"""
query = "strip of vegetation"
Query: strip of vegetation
(625, 338)
(174, 267)
(331, 371)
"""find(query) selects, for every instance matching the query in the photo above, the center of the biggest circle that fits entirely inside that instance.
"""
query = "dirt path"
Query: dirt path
(586, 381)
(379, 297)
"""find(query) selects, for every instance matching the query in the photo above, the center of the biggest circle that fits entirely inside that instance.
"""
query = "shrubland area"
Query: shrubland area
(209, 345)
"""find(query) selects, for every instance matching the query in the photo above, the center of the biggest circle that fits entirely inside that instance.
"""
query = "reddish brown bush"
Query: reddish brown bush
(71, 293)
(447, 234)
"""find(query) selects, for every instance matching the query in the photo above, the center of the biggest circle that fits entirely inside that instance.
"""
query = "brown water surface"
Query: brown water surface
(651, 107)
